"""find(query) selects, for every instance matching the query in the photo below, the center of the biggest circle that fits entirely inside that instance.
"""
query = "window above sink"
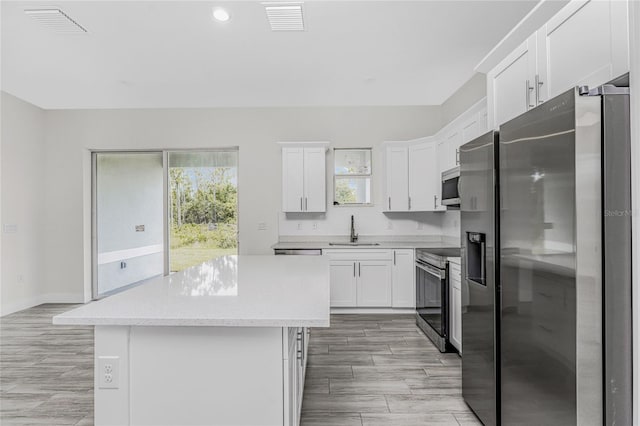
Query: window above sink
(352, 177)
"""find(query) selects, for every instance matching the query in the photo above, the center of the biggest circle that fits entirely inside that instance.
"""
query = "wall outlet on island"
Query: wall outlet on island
(389, 224)
(108, 372)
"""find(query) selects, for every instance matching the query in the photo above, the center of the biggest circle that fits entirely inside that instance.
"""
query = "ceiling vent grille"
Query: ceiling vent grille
(56, 20)
(285, 16)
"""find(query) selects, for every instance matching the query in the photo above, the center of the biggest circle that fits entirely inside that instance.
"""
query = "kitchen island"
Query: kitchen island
(222, 343)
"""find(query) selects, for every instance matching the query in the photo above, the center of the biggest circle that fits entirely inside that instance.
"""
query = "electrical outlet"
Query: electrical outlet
(299, 226)
(389, 224)
(108, 372)
(315, 226)
(262, 226)
(420, 226)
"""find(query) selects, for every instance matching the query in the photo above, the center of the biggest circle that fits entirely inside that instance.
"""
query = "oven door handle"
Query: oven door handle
(431, 270)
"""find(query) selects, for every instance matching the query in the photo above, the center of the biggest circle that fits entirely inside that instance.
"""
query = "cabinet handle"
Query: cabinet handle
(354, 269)
(457, 156)
(394, 257)
(529, 88)
(389, 203)
(306, 204)
(409, 203)
(435, 202)
(538, 85)
(358, 268)
(301, 209)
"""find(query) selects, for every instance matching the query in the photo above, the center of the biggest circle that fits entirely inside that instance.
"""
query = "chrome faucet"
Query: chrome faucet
(354, 236)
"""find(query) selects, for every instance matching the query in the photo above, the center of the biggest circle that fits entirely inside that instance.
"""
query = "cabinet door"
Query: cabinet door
(455, 307)
(397, 179)
(510, 85)
(454, 141)
(483, 123)
(446, 158)
(315, 194)
(343, 283)
(586, 43)
(470, 130)
(300, 360)
(374, 283)
(403, 284)
(424, 182)
(292, 179)
(292, 385)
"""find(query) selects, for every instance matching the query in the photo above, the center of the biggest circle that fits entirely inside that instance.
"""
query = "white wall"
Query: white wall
(71, 134)
(22, 191)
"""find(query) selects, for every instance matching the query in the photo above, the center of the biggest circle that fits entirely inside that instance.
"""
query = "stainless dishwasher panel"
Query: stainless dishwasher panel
(298, 252)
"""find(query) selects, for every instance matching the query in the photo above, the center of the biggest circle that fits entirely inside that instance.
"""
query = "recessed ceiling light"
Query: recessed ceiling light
(221, 15)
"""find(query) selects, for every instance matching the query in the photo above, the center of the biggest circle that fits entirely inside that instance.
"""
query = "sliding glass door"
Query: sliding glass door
(203, 206)
(161, 212)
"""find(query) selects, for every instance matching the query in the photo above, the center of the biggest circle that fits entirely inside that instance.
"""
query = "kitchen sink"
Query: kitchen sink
(354, 244)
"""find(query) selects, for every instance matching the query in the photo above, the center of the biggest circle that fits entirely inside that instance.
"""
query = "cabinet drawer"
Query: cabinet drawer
(359, 254)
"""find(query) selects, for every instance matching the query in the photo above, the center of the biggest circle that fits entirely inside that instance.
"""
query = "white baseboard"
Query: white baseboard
(20, 305)
(63, 298)
(39, 300)
(373, 310)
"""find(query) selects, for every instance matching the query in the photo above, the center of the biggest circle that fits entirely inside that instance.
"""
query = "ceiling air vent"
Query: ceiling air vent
(56, 20)
(285, 16)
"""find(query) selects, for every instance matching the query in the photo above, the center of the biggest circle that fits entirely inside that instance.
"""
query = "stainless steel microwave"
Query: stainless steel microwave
(450, 188)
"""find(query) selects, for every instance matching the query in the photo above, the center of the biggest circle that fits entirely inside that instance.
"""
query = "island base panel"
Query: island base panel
(191, 376)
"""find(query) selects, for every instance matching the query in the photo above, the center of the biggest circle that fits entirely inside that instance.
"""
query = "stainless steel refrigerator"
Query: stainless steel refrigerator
(546, 232)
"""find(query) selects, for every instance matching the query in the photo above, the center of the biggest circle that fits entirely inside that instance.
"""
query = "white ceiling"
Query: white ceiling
(152, 54)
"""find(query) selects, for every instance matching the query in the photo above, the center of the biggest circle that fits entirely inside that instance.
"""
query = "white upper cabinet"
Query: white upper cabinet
(586, 43)
(510, 85)
(397, 179)
(424, 177)
(446, 156)
(304, 179)
(314, 180)
(413, 176)
(466, 127)
(293, 179)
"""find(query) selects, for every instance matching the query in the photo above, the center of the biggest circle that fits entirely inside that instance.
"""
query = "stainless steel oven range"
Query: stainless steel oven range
(432, 294)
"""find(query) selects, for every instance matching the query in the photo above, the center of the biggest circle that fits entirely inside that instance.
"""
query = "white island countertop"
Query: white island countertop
(230, 291)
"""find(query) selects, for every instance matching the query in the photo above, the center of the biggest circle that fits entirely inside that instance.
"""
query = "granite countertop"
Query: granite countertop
(385, 242)
(233, 291)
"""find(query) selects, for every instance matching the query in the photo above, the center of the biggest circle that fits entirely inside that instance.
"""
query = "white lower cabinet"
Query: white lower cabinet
(374, 283)
(343, 283)
(403, 293)
(371, 278)
(455, 305)
(295, 364)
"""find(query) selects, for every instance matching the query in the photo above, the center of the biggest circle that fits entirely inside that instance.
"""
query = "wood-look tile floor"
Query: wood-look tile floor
(46, 371)
(381, 370)
(364, 370)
